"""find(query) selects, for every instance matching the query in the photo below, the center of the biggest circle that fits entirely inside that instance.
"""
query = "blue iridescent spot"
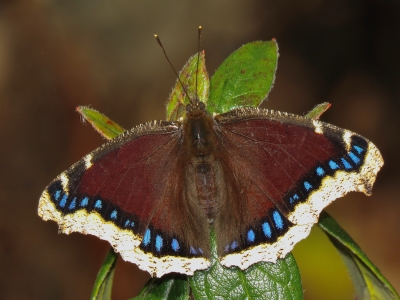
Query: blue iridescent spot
(127, 222)
(98, 204)
(200, 250)
(72, 205)
(132, 224)
(63, 200)
(354, 158)
(84, 202)
(146, 238)
(294, 198)
(277, 219)
(175, 245)
(346, 164)
(57, 195)
(333, 165)
(251, 236)
(193, 251)
(114, 215)
(320, 171)
(307, 185)
(159, 243)
(267, 230)
(358, 149)
(234, 245)
(226, 248)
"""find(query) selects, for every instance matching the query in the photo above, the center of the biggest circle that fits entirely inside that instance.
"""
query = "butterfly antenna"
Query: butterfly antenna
(176, 73)
(197, 64)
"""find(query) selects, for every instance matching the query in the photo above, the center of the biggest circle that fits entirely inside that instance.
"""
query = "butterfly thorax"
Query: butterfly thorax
(203, 166)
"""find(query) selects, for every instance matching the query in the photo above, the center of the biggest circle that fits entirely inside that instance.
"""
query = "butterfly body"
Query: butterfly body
(202, 162)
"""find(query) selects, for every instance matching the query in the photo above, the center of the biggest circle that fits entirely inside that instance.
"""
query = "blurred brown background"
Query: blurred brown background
(56, 55)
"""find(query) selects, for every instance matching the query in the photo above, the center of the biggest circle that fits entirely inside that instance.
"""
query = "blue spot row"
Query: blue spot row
(159, 243)
(266, 229)
(61, 199)
(333, 166)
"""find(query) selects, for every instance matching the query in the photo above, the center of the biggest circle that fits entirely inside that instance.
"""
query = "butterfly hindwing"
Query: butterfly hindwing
(128, 193)
(287, 169)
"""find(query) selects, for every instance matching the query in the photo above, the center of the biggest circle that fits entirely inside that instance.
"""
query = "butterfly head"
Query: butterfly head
(195, 105)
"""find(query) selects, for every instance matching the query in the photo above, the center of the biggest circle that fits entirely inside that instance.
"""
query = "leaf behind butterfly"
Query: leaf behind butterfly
(368, 281)
(177, 100)
(245, 78)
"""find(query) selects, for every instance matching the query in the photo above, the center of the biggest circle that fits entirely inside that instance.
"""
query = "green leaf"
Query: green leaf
(245, 78)
(177, 101)
(260, 281)
(102, 124)
(104, 280)
(171, 286)
(318, 110)
(367, 279)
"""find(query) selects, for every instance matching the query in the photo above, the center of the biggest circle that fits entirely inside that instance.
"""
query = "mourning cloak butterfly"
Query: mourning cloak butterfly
(260, 178)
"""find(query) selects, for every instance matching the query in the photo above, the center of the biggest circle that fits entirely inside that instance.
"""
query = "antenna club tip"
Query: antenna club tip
(156, 36)
(200, 27)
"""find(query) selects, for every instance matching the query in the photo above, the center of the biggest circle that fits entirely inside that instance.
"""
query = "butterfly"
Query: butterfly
(258, 178)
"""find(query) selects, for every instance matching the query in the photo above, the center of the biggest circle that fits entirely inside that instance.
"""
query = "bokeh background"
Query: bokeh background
(56, 55)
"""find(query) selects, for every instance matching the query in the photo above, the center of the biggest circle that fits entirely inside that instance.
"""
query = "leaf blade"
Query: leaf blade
(280, 280)
(245, 78)
(177, 100)
(103, 284)
(368, 280)
(101, 123)
(168, 287)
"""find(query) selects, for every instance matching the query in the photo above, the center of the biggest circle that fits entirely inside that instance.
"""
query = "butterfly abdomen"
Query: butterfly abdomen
(207, 190)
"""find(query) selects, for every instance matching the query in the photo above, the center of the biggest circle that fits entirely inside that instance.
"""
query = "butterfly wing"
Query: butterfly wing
(129, 192)
(282, 170)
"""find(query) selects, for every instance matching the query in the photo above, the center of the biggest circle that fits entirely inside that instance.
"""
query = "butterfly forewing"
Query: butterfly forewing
(130, 192)
(287, 169)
